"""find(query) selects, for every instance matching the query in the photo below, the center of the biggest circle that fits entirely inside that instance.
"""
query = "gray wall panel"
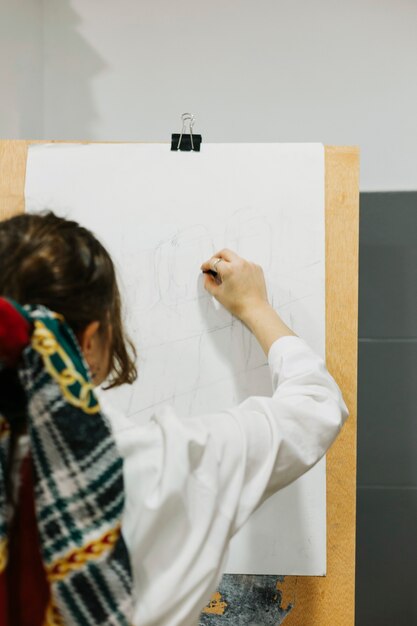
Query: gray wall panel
(387, 411)
(387, 422)
(386, 557)
(388, 265)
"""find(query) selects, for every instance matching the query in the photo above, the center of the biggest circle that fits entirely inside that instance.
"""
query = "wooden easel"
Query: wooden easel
(327, 601)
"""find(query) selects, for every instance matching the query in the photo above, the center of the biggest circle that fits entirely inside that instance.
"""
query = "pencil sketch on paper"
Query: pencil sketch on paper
(161, 214)
(163, 285)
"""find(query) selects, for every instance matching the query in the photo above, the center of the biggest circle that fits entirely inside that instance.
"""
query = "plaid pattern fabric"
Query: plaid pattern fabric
(79, 495)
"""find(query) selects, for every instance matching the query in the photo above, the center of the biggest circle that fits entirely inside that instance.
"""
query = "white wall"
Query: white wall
(21, 69)
(270, 70)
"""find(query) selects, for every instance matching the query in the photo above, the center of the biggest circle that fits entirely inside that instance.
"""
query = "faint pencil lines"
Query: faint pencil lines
(206, 386)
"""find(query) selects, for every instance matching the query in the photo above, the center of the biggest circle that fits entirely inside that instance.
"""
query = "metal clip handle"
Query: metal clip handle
(187, 117)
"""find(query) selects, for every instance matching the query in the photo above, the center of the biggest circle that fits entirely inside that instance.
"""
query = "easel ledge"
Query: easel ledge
(327, 601)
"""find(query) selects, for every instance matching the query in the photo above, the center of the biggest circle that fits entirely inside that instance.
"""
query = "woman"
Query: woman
(142, 542)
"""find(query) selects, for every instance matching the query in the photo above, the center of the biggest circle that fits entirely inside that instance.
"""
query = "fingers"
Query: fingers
(215, 264)
(210, 284)
(226, 256)
(209, 265)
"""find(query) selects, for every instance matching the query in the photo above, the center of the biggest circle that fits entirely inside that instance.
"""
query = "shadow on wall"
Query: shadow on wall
(20, 70)
(69, 111)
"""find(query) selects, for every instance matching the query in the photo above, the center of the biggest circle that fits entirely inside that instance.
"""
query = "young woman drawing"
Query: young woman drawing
(103, 521)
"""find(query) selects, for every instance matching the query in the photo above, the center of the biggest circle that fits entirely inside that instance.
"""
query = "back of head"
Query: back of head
(48, 260)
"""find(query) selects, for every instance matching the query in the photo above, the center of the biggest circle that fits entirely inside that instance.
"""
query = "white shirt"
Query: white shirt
(190, 484)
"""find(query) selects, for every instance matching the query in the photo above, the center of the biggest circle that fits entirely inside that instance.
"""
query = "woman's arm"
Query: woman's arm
(264, 443)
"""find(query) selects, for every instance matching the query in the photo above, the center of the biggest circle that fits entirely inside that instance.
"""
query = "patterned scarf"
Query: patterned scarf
(79, 494)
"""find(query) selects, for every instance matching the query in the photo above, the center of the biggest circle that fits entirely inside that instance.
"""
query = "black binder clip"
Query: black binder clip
(184, 142)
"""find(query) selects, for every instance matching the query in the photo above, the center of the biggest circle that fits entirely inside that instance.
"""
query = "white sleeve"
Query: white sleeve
(265, 443)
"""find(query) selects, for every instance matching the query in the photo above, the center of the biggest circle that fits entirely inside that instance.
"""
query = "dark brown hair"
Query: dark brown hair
(45, 259)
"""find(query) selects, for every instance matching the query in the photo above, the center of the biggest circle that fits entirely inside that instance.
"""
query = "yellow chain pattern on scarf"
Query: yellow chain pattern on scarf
(77, 558)
(44, 342)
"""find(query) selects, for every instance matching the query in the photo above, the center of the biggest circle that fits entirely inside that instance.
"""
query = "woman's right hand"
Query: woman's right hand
(239, 285)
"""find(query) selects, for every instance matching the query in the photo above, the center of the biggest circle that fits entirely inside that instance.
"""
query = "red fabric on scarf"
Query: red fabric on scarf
(25, 584)
(14, 333)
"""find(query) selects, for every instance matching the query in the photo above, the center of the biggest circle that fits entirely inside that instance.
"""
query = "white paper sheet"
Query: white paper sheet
(162, 213)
